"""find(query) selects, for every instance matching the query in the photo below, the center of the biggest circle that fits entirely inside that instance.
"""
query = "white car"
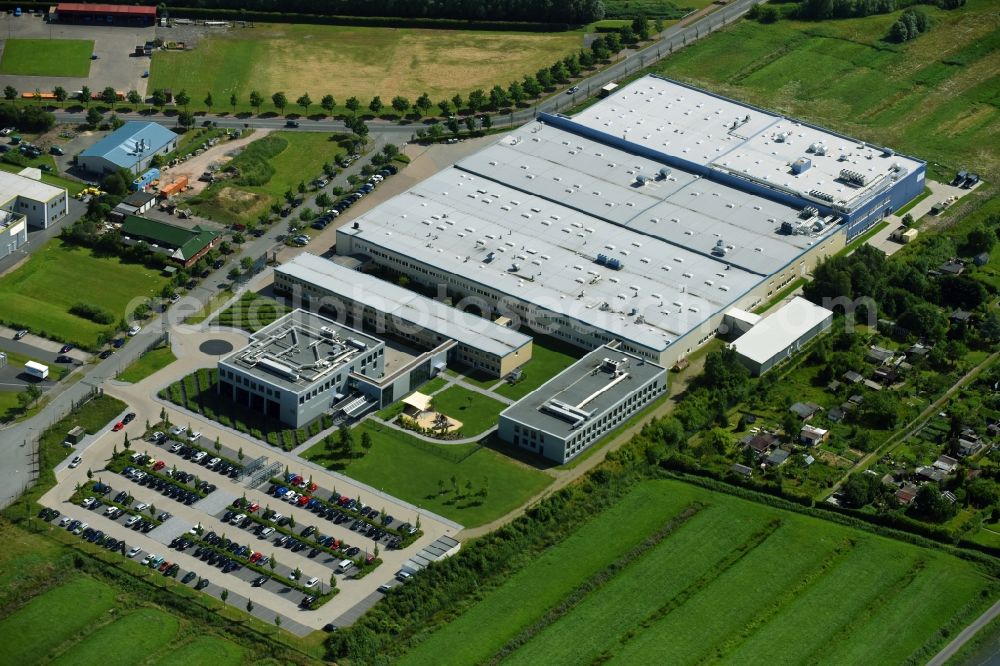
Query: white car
(141, 506)
(311, 582)
(134, 551)
(66, 520)
(134, 330)
(131, 521)
(176, 447)
(237, 518)
(266, 532)
(87, 503)
(80, 528)
(177, 431)
(194, 436)
(75, 462)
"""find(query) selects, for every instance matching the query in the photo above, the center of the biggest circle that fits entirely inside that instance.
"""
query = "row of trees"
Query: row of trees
(911, 24)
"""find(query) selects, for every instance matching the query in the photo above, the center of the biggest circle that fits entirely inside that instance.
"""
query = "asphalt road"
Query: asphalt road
(964, 636)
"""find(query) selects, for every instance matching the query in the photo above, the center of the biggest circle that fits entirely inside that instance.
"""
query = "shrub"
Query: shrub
(92, 312)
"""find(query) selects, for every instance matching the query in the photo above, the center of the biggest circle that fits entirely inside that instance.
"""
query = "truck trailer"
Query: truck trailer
(36, 370)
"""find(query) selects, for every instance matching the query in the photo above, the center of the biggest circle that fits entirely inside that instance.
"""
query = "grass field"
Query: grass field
(409, 469)
(150, 362)
(300, 159)
(934, 97)
(40, 292)
(548, 359)
(476, 411)
(203, 650)
(653, 8)
(735, 581)
(47, 57)
(346, 61)
(252, 312)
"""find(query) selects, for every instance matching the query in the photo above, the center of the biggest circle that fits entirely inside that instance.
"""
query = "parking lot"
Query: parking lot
(187, 503)
(112, 45)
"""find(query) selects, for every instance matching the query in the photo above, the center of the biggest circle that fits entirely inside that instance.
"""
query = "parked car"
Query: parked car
(134, 330)
(75, 462)
(20, 334)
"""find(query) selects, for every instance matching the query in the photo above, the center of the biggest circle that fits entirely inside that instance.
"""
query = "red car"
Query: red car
(165, 566)
(254, 507)
(304, 500)
(159, 465)
(313, 487)
(344, 499)
(256, 556)
(336, 544)
(118, 426)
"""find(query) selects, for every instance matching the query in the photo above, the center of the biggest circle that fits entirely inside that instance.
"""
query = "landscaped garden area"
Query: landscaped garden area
(151, 362)
(252, 312)
(468, 483)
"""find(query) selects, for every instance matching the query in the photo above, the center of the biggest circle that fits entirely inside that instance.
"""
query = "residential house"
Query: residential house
(854, 377)
(886, 375)
(836, 414)
(931, 473)
(946, 464)
(742, 470)
(805, 410)
(960, 316)
(906, 494)
(878, 354)
(969, 447)
(952, 267)
(762, 443)
(777, 457)
(811, 435)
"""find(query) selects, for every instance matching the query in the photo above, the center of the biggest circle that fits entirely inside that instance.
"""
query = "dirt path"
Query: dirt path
(564, 477)
(197, 165)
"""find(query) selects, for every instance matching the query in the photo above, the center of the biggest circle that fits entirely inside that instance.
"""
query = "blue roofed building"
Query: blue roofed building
(132, 147)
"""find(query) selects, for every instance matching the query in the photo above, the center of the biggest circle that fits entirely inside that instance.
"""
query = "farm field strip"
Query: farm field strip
(475, 635)
(115, 645)
(63, 611)
(688, 554)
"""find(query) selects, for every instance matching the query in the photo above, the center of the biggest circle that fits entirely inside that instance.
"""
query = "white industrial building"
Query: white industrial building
(25, 194)
(13, 232)
(780, 334)
(574, 409)
(381, 308)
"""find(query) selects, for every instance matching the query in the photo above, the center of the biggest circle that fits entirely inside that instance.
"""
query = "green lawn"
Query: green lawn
(252, 312)
(150, 362)
(738, 582)
(346, 61)
(934, 97)
(47, 57)
(203, 650)
(299, 158)
(548, 359)
(54, 618)
(38, 295)
(409, 469)
(476, 411)
(214, 303)
(125, 641)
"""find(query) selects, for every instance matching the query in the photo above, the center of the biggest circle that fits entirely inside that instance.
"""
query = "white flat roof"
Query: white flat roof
(455, 220)
(709, 130)
(681, 208)
(779, 330)
(407, 305)
(14, 185)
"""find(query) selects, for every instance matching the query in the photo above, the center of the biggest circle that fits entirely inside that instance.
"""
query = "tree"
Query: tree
(424, 103)
(400, 104)
(134, 97)
(470, 123)
(256, 100)
(305, 102)
(218, 444)
(572, 64)
(486, 122)
(353, 104)
(182, 99)
(128, 444)
(930, 504)
(375, 106)
(280, 101)
(328, 103)
(899, 32)
(164, 416)
(981, 238)
(277, 621)
(366, 441)
(477, 100)
(224, 595)
(272, 562)
(862, 489)
(10, 93)
(613, 42)
(640, 26)
(233, 101)
(249, 606)
(544, 78)
(209, 101)
(453, 125)
(94, 117)
(531, 86)
(159, 98)
(184, 118)
(587, 59)
(457, 102)
(60, 94)
(240, 455)
(498, 98)
(83, 96)
(444, 106)
(559, 72)
(109, 96)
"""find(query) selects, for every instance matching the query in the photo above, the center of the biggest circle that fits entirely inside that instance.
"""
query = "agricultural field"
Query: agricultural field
(662, 591)
(39, 293)
(933, 97)
(353, 61)
(47, 57)
(421, 473)
(627, 9)
(147, 364)
(269, 167)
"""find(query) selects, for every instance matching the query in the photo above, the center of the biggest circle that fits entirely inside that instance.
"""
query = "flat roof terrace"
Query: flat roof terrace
(669, 203)
(300, 349)
(479, 230)
(724, 134)
(586, 389)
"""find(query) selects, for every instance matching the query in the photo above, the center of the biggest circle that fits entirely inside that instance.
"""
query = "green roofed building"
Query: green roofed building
(183, 245)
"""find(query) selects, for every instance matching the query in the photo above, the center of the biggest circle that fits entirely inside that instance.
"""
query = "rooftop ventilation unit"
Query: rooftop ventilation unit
(853, 177)
(357, 344)
(821, 195)
(327, 332)
(664, 173)
(720, 248)
(808, 212)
